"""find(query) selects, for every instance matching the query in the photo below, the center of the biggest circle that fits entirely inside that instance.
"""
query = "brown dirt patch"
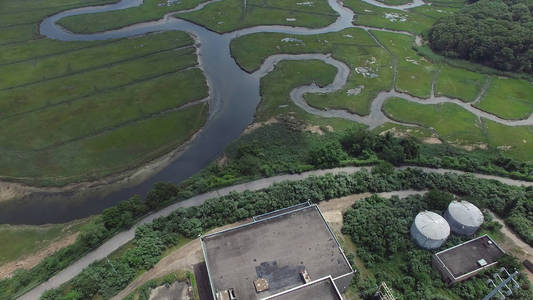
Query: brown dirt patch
(515, 246)
(472, 147)
(9, 190)
(397, 133)
(419, 40)
(31, 261)
(432, 140)
(335, 208)
(256, 125)
(318, 129)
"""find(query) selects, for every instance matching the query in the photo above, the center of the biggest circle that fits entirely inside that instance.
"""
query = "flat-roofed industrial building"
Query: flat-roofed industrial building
(323, 289)
(278, 252)
(465, 260)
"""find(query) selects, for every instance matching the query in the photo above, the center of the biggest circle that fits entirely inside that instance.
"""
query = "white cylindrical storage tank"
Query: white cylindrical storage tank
(464, 217)
(430, 230)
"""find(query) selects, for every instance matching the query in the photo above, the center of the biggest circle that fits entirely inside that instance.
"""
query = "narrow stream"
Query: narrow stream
(234, 96)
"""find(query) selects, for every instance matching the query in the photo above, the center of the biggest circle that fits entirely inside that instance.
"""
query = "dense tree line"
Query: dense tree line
(380, 229)
(497, 33)
(107, 278)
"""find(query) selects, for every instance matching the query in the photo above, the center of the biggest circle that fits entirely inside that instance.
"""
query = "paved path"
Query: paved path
(122, 238)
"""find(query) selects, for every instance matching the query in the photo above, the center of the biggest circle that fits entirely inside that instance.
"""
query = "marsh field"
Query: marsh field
(80, 110)
(90, 90)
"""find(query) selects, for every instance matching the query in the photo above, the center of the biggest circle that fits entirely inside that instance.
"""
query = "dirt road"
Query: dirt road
(183, 258)
(515, 246)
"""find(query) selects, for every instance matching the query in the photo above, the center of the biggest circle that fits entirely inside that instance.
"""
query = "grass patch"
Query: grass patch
(370, 64)
(17, 34)
(84, 60)
(516, 142)
(182, 241)
(459, 83)
(100, 112)
(19, 20)
(70, 91)
(508, 98)
(287, 75)
(61, 104)
(35, 49)
(373, 16)
(22, 240)
(149, 10)
(121, 250)
(401, 130)
(230, 15)
(26, 6)
(414, 73)
(450, 121)
(395, 2)
(95, 156)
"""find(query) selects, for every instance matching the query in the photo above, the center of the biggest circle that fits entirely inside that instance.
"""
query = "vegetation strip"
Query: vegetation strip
(114, 63)
(124, 124)
(102, 43)
(102, 91)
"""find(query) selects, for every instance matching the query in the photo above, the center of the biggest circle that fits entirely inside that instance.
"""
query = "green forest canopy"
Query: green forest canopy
(497, 33)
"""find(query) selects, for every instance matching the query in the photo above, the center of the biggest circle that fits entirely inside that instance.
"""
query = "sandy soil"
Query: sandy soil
(335, 208)
(318, 129)
(12, 190)
(432, 140)
(183, 258)
(419, 40)
(395, 132)
(256, 125)
(30, 261)
(473, 146)
(515, 246)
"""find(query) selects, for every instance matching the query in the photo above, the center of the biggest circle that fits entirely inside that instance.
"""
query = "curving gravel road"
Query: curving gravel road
(122, 238)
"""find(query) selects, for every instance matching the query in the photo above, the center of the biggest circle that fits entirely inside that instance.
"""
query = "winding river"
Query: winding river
(234, 96)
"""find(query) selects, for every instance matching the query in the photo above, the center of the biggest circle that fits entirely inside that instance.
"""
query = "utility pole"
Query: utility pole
(503, 284)
(111, 265)
(384, 292)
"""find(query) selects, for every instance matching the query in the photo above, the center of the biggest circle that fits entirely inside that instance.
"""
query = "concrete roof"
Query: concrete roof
(432, 225)
(321, 289)
(463, 259)
(275, 248)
